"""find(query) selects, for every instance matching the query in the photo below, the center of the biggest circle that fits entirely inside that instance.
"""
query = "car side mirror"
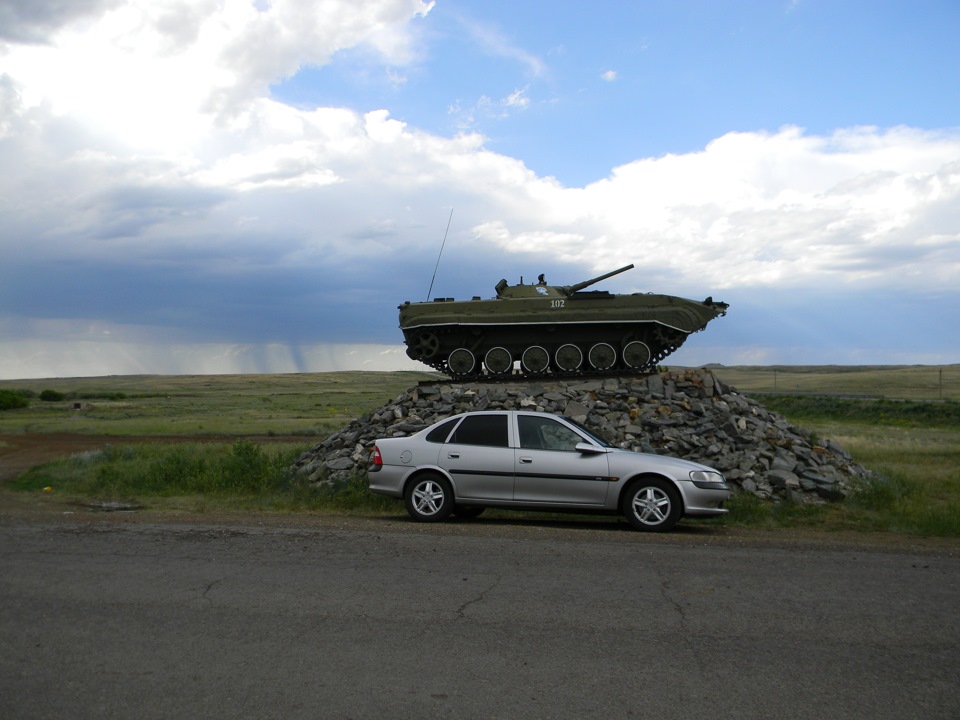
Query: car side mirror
(589, 448)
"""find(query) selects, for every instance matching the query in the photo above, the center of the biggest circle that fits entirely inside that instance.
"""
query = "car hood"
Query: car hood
(652, 461)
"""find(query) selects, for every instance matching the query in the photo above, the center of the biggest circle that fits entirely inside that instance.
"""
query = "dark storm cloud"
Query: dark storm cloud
(128, 211)
(186, 303)
(33, 21)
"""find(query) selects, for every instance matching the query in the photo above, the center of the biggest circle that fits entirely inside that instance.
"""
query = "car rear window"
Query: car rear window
(440, 432)
(482, 430)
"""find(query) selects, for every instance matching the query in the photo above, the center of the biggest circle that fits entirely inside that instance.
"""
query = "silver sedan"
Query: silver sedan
(537, 461)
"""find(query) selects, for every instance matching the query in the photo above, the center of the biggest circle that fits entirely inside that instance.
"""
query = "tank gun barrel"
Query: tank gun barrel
(571, 289)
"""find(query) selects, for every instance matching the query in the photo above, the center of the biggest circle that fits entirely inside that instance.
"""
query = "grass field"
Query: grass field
(898, 382)
(310, 404)
(912, 440)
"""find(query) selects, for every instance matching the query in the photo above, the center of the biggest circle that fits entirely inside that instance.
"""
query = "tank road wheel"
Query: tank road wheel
(568, 357)
(498, 361)
(461, 363)
(425, 346)
(535, 359)
(636, 355)
(602, 356)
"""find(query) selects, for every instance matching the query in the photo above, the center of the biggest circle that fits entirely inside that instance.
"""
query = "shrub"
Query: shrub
(11, 399)
(52, 396)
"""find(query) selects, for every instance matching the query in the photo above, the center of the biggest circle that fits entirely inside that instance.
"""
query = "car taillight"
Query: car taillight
(377, 458)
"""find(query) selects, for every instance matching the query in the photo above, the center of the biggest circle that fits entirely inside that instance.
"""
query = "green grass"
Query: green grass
(916, 459)
(881, 411)
(901, 382)
(198, 476)
(913, 444)
(309, 404)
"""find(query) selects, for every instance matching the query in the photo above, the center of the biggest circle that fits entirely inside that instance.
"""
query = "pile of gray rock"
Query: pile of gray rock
(686, 413)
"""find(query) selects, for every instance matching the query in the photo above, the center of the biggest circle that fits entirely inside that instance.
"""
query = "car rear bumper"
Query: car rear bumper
(387, 480)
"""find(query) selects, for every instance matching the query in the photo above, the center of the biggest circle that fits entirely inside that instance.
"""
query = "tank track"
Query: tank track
(660, 342)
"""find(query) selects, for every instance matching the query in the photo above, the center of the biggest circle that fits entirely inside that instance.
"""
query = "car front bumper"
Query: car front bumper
(704, 499)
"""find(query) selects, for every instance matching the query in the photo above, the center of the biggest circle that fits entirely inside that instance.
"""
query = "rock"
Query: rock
(576, 411)
(784, 462)
(686, 413)
(783, 479)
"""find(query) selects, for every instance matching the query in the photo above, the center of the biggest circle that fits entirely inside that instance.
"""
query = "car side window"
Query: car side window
(440, 432)
(482, 430)
(545, 433)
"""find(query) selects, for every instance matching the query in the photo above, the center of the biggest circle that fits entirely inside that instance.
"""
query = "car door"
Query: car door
(549, 468)
(479, 458)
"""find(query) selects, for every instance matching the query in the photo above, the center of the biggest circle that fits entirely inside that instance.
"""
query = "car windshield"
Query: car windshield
(581, 428)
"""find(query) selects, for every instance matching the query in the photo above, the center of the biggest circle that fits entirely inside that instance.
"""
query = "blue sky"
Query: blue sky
(253, 186)
(682, 74)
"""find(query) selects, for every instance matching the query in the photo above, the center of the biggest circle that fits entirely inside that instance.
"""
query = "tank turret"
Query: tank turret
(552, 330)
(571, 289)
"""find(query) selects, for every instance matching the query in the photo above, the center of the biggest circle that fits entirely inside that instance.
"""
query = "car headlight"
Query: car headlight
(706, 476)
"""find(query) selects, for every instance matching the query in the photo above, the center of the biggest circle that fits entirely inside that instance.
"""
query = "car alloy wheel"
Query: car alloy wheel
(652, 505)
(429, 498)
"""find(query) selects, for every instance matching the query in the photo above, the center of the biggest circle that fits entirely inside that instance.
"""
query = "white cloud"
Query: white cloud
(162, 73)
(862, 205)
(517, 99)
(609, 75)
(496, 44)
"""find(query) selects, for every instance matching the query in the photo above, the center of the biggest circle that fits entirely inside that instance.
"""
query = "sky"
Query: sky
(224, 186)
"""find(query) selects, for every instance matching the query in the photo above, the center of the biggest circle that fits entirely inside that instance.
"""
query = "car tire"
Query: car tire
(468, 511)
(652, 505)
(429, 498)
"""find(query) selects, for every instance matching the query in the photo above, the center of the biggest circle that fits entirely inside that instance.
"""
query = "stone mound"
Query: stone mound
(685, 413)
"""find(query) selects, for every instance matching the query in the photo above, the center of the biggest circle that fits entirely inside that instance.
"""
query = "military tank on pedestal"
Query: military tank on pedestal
(548, 330)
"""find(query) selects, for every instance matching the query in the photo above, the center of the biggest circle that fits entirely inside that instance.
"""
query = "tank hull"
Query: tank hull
(547, 332)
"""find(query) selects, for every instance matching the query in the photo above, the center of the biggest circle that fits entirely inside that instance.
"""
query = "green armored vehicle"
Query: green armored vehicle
(552, 330)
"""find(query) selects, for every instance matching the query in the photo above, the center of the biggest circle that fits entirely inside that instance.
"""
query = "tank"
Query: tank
(551, 330)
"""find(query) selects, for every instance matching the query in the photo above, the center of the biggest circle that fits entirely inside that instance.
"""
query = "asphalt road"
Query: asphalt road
(387, 619)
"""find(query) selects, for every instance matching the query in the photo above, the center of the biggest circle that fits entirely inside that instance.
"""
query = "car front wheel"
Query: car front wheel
(652, 505)
(429, 498)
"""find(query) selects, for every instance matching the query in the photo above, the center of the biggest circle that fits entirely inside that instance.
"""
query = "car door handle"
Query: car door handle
(453, 455)
(526, 460)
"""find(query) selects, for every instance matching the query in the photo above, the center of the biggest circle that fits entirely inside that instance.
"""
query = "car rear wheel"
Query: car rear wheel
(652, 505)
(429, 498)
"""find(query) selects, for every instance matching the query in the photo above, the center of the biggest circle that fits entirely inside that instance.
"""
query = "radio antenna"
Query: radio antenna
(438, 256)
